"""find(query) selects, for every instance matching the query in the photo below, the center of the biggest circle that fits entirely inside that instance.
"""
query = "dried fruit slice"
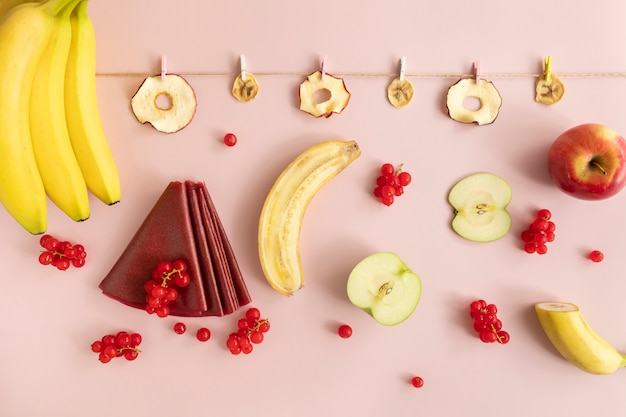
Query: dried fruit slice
(338, 100)
(174, 90)
(245, 90)
(549, 90)
(400, 92)
(484, 91)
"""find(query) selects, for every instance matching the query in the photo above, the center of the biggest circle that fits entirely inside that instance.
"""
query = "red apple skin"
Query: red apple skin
(588, 162)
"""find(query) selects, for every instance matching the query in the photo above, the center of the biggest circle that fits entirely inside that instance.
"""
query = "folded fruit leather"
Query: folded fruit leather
(183, 224)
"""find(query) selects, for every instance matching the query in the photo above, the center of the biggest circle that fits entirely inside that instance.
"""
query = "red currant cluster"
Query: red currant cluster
(160, 289)
(486, 323)
(539, 233)
(250, 331)
(60, 254)
(113, 346)
(391, 183)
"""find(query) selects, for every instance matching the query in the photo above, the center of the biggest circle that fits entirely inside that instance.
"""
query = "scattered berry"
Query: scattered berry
(417, 382)
(539, 232)
(391, 183)
(116, 345)
(203, 334)
(61, 254)
(230, 139)
(596, 256)
(160, 289)
(250, 331)
(344, 331)
(180, 328)
(486, 322)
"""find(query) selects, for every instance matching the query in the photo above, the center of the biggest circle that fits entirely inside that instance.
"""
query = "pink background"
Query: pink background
(303, 368)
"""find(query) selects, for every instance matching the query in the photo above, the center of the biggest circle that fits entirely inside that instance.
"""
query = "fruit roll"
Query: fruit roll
(205, 258)
(165, 234)
(241, 290)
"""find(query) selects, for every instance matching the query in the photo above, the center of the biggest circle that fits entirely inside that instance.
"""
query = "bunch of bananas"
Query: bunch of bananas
(52, 142)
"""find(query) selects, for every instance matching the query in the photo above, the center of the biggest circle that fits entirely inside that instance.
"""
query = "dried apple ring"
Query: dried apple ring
(177, 93)
(338, 100)
(484, 91)
(245, 90)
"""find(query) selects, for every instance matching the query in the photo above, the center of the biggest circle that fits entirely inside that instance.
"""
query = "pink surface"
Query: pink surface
(303, 368)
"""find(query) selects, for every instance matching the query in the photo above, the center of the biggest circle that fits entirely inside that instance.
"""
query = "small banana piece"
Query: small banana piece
(285, 206)
(400, 92)
(24, 32)
(60, 172)
(245, 90)
(549, 91)
(81, 108)
(575, 340)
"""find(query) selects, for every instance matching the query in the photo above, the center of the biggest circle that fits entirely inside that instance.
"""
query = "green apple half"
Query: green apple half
(383, 286)
(480, 202)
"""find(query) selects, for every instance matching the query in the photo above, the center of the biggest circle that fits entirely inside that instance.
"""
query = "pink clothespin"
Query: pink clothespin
(324, 59)
(477, 72)
(163, 67)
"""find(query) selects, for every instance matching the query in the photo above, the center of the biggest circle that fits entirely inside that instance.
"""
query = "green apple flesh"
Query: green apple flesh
(480, 202)
(383, 286)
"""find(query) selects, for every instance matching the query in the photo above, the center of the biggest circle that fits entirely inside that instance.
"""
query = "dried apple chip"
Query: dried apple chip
(176, 92)
(487, 94)
(336, 102)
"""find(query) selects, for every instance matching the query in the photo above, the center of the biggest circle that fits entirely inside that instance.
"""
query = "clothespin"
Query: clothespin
(402, 67)
(477, 72)
(242, 59)
(163, 67)
(547, 71)
(324, 59)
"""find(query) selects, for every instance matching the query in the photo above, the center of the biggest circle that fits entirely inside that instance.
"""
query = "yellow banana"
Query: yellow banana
(24, 32)
(7, 5)
(285, 205)
(575, 340)
(60, 172)
(81, 108)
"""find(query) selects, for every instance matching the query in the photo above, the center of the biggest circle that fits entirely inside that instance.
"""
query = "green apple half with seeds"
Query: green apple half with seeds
(383, 286)
(480, 202)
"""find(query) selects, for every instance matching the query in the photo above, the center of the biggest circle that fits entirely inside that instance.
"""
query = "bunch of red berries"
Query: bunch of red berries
(114, 346)
(160, 289)
(390, 184)
(486, 322)
(61, 254)
(250, 331)
(539, 233)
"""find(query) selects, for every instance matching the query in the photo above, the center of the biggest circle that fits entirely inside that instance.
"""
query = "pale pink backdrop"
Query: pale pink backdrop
(303, 368)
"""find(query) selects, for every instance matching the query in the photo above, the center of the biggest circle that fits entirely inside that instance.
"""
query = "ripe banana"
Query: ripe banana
(24, 32)
(81, 108)
(285, 205)
(60, 172)
(575, 340)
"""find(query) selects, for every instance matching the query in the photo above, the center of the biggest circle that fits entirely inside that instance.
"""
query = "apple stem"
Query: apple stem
(598, 166)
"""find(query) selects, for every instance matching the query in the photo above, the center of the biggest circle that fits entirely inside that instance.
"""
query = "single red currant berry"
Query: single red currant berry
(183, 279)
(230, 139)
(45, 258)
(203, 334)
(162, 311)
(43, 239)
(179, 265)
(530, 247)
(488, 336)
(378, 192)
(131, 354)
(404, 178)
(387, 170)
(344, 331)
(135, 339)
(256, 337)
(542, 249)
(551, 227)
(417, 382)
(180, 328)
(78, 262)
(399, 190)
(164, 267)
(63, 264)
(253, 314)
(539, 225)
(51, 244)
(596, 256)
(97, 346)
(528, 236)
(387, 200)
(544, 214)
(122, 339)
(264, 326)
(246, 349)
(104, 358)
(503, 337)
(381, 180)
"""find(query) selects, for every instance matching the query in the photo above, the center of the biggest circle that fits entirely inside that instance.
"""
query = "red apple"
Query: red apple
(589, 162)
